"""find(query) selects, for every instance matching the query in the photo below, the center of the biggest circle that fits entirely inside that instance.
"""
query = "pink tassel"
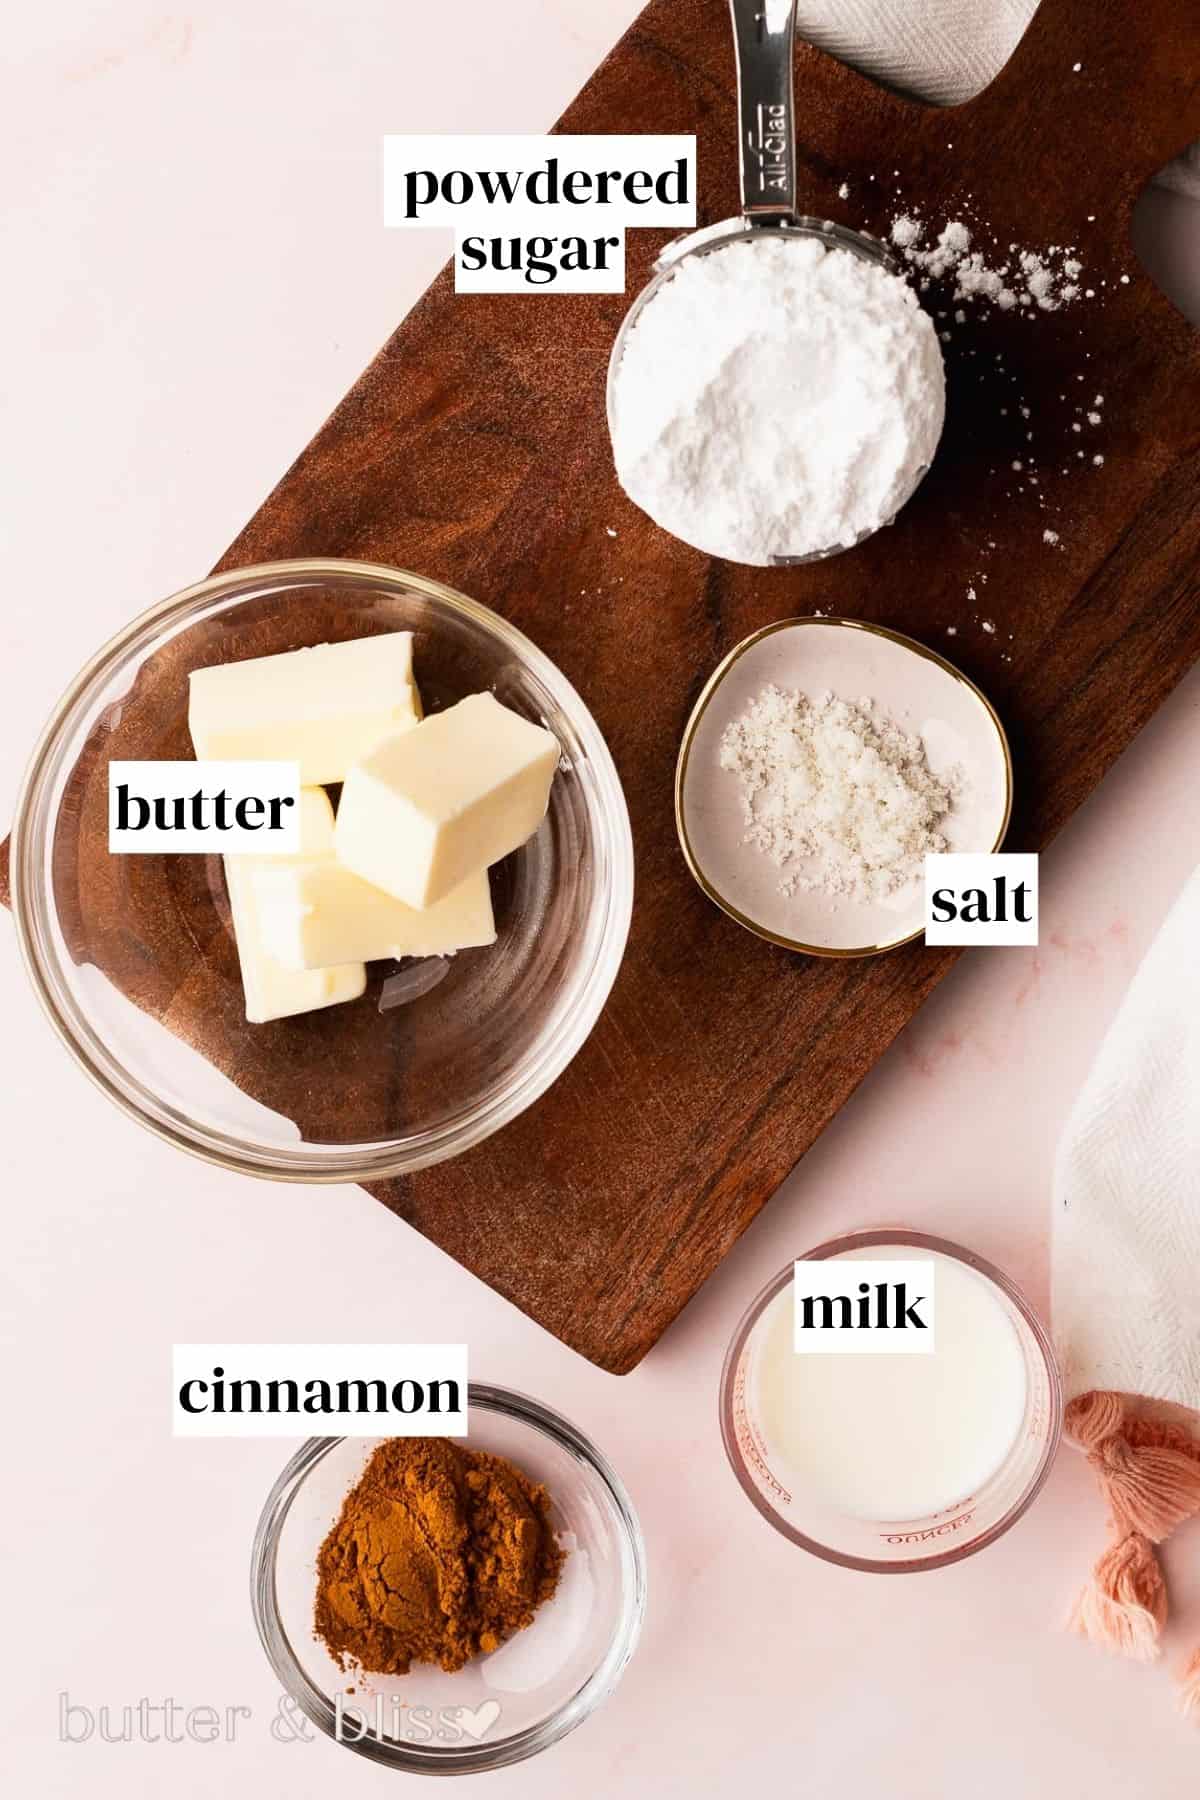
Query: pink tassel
(1149, 1473)
(1189, 1687)
(1124, 1606)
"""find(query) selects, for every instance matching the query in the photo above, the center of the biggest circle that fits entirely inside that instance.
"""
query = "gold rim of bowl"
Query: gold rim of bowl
(709, 690)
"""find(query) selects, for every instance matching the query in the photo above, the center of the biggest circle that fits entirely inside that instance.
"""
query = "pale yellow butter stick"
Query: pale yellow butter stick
(323, 708)
(273, 991)
(424, 810)
(313, 912)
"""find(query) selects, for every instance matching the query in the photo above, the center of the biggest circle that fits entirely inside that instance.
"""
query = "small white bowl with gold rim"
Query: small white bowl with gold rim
(912, 686)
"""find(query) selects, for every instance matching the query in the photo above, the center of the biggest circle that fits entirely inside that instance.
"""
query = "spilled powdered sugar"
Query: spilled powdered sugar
(970, 275)
(839, 786)
(1033, 280)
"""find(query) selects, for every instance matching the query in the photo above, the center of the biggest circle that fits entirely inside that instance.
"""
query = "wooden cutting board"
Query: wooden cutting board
(474, 449)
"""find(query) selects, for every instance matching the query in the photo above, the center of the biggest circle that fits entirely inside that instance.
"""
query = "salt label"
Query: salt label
(978, 899)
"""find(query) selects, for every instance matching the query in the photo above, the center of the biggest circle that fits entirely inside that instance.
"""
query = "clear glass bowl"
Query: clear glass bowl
(906, 1545)
(133, 956)
(498, 1710)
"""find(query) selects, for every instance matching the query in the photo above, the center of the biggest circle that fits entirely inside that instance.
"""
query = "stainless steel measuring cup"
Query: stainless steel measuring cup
(764, 35)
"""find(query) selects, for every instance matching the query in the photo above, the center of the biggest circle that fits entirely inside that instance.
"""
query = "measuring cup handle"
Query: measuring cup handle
(764, 33)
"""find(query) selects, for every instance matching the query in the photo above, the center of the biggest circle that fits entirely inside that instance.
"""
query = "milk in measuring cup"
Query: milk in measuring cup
(891, 1437)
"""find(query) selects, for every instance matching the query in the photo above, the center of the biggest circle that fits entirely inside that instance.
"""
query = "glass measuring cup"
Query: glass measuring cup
(881, 1546)
(764, 34)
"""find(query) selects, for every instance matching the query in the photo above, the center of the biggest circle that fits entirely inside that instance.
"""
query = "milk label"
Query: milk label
(867, 1308)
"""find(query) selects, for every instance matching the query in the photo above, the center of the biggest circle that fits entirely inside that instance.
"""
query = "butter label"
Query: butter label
(232, 808)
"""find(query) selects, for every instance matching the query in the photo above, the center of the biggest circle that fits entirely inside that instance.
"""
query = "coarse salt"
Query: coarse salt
(836, 786)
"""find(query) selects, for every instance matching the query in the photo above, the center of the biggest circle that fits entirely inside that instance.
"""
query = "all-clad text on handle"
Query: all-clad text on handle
(764, 33)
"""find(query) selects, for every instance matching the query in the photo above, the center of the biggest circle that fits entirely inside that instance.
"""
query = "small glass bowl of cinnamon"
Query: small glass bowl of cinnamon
(500, 1708)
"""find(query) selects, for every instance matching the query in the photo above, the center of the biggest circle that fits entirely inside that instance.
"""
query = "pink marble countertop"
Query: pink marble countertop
(208, 179)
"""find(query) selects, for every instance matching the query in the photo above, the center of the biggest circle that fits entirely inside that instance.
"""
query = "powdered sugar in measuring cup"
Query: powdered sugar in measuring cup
(776, 392)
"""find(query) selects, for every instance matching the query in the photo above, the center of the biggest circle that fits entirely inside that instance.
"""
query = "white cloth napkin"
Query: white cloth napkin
(1126, 1254)
(941, 50)
(1126, 1288)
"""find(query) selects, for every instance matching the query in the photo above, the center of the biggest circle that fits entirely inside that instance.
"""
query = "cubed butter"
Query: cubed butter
(273, 991)
(425, 809)
(323, 708)
(313, 912)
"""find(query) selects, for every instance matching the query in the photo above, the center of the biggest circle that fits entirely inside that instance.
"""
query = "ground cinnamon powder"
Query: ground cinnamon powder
(439, 1554)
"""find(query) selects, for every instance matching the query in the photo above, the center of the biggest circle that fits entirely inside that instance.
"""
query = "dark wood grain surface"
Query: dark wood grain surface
(474, 449)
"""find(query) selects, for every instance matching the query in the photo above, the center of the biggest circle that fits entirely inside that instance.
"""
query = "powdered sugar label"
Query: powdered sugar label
(539, 214)
(556, 257)
(974, 899)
